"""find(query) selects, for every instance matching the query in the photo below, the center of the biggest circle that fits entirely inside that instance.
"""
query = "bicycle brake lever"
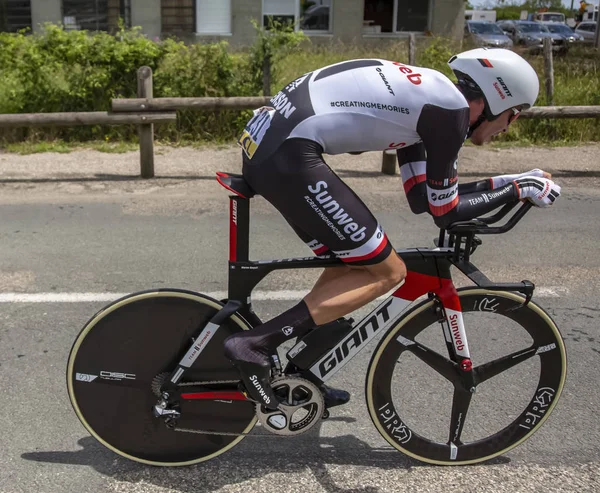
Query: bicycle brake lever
(527, 289)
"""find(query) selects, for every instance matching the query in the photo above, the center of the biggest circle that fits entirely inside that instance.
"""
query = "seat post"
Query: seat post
(239, 228)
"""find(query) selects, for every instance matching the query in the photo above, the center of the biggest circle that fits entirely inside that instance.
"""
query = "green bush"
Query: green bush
(60, 70)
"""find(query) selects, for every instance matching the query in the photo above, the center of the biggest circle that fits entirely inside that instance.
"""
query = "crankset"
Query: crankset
(302, 406)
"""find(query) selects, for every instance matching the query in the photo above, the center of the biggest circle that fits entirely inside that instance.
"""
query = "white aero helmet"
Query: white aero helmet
(505, 78)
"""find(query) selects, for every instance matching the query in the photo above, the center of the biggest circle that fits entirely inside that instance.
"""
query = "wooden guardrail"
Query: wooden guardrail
(388, 160)
(83, 118)
(237, 103)
(145, 111)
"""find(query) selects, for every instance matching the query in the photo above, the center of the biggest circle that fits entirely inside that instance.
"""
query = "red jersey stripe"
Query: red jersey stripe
(411, 182)
(440, 210)
(375, 252)
(320, 250)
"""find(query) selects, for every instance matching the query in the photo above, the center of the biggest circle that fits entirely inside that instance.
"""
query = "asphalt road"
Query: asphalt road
(88, 239)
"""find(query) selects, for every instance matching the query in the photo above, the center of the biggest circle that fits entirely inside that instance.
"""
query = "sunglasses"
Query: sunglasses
(514, 115)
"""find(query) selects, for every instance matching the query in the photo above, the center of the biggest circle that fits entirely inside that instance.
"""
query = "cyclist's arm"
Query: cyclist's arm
(412, 168)
(443, 132)
(412, 164)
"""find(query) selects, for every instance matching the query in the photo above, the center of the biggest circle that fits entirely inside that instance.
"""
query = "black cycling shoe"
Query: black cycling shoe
(256, 379)
(334, 397)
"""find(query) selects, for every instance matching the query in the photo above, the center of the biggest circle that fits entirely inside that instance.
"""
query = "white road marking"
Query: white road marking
(289, 295)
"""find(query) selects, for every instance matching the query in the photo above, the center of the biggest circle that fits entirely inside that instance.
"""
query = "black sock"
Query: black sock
(256, 344)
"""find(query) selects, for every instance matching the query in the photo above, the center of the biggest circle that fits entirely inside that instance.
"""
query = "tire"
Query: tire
(505, 410)
(123, 348)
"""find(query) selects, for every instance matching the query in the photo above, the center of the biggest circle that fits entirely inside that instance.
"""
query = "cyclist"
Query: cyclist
(374, 105)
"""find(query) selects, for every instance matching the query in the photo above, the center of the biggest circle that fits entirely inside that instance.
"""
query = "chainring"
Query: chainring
(302, 407)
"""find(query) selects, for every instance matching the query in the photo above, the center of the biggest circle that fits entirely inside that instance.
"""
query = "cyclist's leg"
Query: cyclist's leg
(297, 181)
(343, 294)
(318, 248)
(329, 217)
(334, 295)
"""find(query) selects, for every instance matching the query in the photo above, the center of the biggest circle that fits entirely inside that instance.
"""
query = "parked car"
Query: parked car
(547, 17)
(587, 30)
(485, 33)
(531, 34)
(565, 31)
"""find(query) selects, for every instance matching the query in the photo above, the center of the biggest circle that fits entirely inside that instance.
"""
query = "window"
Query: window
(315, 15)
(15, 15)
(95, 15)
(283, 11)
(389, 16)
(178, 16)
(213, 16)
(307, 15)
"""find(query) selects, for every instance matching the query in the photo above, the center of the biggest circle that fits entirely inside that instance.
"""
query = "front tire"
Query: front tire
(497, 419)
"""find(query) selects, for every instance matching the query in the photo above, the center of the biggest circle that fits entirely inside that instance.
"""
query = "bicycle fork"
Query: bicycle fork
(455, 336)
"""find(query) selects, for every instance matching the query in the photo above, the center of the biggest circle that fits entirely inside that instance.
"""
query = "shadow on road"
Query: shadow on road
(252, 458)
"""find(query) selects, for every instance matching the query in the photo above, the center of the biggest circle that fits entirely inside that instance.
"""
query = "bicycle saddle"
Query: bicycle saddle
(235, 184)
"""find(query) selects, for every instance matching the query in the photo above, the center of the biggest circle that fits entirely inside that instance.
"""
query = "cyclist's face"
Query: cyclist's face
(487, 130)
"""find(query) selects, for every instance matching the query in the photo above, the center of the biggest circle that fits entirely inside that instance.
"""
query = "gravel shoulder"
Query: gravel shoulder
(93, 175)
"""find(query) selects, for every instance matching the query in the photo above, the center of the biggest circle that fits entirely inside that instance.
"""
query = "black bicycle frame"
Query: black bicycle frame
(245, 274)
(428, 272)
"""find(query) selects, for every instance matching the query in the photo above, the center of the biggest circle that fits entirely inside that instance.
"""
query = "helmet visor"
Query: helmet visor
(513, 115)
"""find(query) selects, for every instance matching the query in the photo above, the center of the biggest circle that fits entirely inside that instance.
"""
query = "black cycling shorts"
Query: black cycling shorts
(323, 211)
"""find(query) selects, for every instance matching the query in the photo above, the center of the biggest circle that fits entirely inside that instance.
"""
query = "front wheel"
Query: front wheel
(116, 364)
(519, 365)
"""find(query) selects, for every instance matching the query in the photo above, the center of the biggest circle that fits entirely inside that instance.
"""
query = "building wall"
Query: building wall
(241, 28)
(448, 18)
(146, 13)
(348, 20)
(45, 11)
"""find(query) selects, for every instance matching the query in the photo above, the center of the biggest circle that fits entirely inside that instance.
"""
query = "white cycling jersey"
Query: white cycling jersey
(375, 105)
(344, 120)
(354, 106)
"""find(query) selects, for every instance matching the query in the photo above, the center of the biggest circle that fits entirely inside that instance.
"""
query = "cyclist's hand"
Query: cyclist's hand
(501, 180)
(542, 192)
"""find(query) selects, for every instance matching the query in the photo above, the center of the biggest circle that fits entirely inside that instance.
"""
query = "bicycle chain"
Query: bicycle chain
(228, 433)
(159, 379)
(209, 382)
(221, 433)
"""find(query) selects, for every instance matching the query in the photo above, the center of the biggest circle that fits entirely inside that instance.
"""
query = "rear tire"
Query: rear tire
(123, 348)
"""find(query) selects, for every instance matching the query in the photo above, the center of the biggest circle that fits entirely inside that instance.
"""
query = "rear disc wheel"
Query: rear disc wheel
(121, 351)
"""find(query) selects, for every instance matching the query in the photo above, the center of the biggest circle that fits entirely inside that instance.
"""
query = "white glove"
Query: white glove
(500, 181)
(542, 192)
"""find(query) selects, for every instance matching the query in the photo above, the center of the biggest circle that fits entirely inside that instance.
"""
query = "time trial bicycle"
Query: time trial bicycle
(148, 379)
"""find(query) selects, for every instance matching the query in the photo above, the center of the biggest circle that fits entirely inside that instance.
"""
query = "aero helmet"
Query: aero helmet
(505, 79)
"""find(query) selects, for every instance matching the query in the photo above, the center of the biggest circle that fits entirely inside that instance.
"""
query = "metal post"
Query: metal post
(267, 75)
(549, 72)
(146, 132)
(412, 49)
(388, 163)
(597, 36)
